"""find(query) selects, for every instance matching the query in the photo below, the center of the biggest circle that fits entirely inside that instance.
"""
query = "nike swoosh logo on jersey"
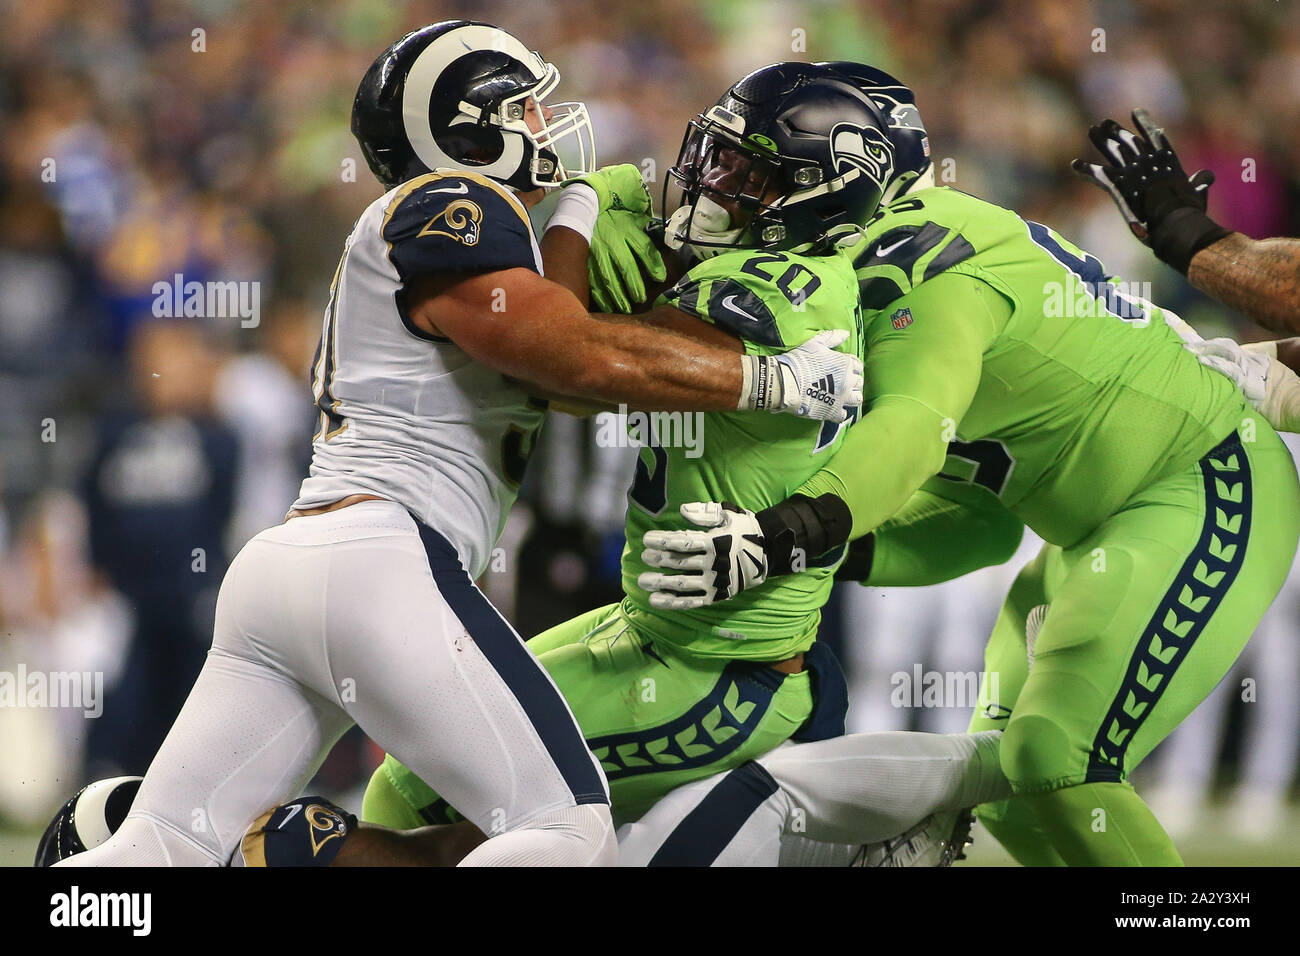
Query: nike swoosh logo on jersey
(886, 250)
(463, 188)
(729, 303)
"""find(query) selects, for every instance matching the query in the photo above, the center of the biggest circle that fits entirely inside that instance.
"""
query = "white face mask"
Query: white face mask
(709, 224)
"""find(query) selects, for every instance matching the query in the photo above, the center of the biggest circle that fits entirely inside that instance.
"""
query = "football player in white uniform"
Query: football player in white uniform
(361, 607)
(887, 799)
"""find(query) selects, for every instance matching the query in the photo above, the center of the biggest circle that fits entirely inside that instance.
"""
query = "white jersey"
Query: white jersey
(410, 416)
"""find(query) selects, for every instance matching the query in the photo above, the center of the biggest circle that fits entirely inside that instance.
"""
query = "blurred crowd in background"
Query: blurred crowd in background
(141, 139)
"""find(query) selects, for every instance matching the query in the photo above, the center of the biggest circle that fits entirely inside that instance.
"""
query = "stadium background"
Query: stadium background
(128, 155)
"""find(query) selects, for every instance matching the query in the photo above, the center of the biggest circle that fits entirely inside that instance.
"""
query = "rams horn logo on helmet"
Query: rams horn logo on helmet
(462, 216)
(325, 822)
(864, 148)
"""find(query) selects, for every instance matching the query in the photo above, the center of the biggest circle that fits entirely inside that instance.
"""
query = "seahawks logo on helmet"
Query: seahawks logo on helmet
(864, 148)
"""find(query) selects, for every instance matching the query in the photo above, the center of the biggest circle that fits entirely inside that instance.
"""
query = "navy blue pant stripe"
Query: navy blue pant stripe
(521, 672)
(1205, 577)
(705, 832)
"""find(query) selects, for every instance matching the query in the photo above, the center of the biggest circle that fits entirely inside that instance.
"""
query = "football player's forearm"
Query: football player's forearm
(933, 539)
(1258, 277)
(616, 360)
(439, 845)
(564, 257)
(874, 484)
(630, 363)
(537, 332)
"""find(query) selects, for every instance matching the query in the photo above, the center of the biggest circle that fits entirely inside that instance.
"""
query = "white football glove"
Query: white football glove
(1248, 370)
(711, 565)
(811, 381)
(1270, 387)
(1281, 404)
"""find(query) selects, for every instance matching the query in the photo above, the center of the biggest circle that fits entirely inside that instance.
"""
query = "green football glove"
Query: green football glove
(622, 255)
(618, 187)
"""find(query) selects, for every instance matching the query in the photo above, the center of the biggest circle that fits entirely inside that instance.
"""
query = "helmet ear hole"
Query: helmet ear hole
(472, 144)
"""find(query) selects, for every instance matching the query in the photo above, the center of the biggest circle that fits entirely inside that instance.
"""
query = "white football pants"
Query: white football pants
(816, 804)
(362, 615)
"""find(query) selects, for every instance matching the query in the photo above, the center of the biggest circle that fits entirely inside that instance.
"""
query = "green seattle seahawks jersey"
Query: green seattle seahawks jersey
(773, 302)
(1062, 390)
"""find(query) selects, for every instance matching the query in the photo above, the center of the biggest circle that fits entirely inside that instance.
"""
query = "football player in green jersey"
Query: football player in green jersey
(666, 697)
(999, 352)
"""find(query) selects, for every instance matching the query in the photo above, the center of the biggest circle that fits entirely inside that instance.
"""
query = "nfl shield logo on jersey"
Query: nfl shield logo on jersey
(902, 318)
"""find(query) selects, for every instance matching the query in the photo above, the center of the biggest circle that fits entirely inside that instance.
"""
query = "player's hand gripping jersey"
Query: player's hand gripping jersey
(410, 417)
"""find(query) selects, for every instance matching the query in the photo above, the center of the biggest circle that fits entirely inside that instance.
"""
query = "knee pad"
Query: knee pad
(589, 829)
(1036, 754)
(309, 831)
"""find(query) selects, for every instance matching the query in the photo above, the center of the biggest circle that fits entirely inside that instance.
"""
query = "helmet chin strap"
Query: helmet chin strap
(708, 223)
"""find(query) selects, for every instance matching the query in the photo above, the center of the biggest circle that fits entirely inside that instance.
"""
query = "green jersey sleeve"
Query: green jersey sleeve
(923, 361)
(945, 530)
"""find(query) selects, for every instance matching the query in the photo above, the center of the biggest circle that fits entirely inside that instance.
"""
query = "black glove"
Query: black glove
(1164, 206)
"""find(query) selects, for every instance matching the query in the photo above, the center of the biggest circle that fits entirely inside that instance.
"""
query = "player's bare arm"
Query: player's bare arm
(565, 252)
(1257, 277)
(607, 359)
(546, 338)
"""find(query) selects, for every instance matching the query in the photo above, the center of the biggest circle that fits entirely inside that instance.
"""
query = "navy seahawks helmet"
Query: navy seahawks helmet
(906, 130)
(88, 819)
(454, 95)
(791, 157)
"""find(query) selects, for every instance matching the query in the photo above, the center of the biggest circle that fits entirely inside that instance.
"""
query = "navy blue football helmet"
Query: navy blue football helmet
(454, 95)
(906, 130)
(791, 157)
